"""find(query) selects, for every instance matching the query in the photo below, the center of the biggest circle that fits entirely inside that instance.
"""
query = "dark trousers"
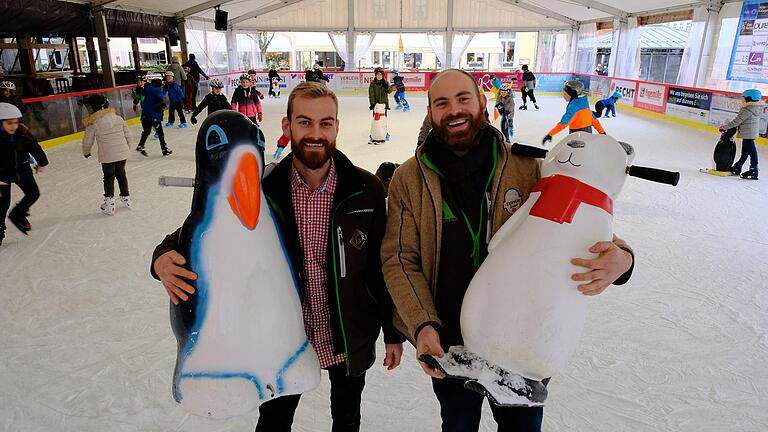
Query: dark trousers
(28, 185)
(346, 393)
(111, 171)
(176, 107)
(528, 94)
(147, 125)
(460, 410)
(748, 149)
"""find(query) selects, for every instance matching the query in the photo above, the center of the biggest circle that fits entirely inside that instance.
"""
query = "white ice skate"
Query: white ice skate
(108, 206)
(127, 202)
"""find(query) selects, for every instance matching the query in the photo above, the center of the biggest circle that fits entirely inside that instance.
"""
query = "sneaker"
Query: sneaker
(183, 126)
(127, 202)
(167, 151)
(108, 206)
(169, 125)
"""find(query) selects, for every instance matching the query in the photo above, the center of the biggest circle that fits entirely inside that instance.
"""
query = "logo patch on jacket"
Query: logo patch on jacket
(512, 200)
(358, 239)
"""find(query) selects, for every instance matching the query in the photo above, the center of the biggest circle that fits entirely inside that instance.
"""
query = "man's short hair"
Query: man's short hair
(311, 90)
(429, 92)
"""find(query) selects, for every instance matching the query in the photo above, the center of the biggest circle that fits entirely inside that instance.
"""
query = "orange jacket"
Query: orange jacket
(578, 116)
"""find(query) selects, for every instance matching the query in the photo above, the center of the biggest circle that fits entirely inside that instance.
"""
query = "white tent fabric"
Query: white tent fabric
(362, 45)
(437, 42)
(586, 51)
(497, 14)
(689, 63)
(339, 41)
(545, 50)
(313, 41)
(460, 43)
(562, 57)
(485, 43)
(627, 56)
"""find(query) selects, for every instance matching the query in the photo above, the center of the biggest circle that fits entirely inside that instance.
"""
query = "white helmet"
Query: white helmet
(9, 111)
(505, 87)
(7, 85)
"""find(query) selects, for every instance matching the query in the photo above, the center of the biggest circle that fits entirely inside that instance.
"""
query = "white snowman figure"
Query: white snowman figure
(522, 314)
(522, 311)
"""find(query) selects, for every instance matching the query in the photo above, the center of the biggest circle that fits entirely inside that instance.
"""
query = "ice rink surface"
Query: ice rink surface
(86, 343)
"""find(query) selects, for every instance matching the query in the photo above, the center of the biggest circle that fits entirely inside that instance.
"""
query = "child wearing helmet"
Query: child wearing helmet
(505, 105)
(8, 95)
(246, 100)
(152, 107)
(110, 134)
(176, 99)
(607, 104)
(578, 116)
(215, 100)
(748, 123)
(399, 85)
(16, 146)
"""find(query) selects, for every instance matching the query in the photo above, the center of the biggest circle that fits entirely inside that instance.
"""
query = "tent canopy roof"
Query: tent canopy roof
(401, 15)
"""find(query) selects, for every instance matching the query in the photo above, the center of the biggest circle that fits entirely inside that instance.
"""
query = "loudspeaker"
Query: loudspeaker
(221, 20)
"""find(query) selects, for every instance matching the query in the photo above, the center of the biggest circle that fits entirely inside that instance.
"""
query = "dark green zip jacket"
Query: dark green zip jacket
(358, 298)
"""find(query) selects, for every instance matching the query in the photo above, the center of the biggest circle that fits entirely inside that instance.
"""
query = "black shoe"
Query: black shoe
(750, 175)
(19, 221)
(735, 170)
(141, 150)
(167, 151)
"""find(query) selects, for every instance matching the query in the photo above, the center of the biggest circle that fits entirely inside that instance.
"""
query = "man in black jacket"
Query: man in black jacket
(196, 71)
(332, 216)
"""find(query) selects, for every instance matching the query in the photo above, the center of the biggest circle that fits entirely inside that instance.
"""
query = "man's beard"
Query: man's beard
(313, 159)
(466, 139)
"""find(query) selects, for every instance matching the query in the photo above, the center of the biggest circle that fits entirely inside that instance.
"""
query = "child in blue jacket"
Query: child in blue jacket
(607, 104)
(176, 98)
(152, 114)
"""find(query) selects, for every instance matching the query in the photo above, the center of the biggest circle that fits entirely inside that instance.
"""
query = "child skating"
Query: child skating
(17, 148)
(505, 104)
(608, 105)
(8, 95)
(152, 115)
(748, 123)
(246, 100)
(578, 116)
(108, 131)
(176, 99)
(529, 83)
(399, 84)
(214, 101)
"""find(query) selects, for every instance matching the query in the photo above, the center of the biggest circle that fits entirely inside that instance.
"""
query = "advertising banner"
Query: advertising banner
(748, 56)
(599, 87)
(628, 90)
(689, 104)
(651, 97)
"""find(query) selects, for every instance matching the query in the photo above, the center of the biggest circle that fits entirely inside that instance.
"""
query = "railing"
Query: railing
(60, 115)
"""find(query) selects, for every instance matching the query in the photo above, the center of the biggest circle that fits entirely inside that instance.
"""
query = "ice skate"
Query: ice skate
(535, 106)
(141, 150)
(169, 125)
(167, 151)
(735, 170)
(19, 220)
(155, 136)
(108, 206)
(406, 109)
(523, 107)
(749, 175)
(126, 200)
(398, 107)
(183, 126)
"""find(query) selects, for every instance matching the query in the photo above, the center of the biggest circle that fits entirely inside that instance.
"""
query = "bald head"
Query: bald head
(451, 79)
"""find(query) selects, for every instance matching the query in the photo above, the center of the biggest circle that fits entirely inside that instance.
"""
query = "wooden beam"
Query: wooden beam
(97, 3)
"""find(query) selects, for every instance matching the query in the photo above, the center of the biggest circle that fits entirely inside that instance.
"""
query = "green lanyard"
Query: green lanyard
(475, 233)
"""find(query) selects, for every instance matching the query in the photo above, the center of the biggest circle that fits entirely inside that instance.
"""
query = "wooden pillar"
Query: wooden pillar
(92, 58)
(135, 53)
(26, 55)
(183, 41)
(106, 58)
(168, 51)
(74, 55)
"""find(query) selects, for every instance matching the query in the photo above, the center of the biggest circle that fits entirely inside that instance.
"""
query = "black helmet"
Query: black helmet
(98, 102)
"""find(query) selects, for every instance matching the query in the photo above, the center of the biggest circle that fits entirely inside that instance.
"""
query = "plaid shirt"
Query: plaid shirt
(313, 210)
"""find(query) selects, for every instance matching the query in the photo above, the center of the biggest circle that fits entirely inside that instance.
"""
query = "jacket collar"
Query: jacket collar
(97, 115)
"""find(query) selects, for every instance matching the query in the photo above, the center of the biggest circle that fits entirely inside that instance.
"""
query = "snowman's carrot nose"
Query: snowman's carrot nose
(245, 199)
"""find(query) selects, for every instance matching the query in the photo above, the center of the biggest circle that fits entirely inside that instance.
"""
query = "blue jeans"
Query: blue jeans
(507, 127)
(460, 410)
(748, 149)
(400, 99)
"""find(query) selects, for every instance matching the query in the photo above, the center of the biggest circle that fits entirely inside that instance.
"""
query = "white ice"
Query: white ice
(86, 343)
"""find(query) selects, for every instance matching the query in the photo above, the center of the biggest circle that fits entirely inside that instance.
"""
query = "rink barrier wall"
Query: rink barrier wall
(58, 119)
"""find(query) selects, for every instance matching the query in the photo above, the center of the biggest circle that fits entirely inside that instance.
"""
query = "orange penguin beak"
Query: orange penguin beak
(245, 199)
